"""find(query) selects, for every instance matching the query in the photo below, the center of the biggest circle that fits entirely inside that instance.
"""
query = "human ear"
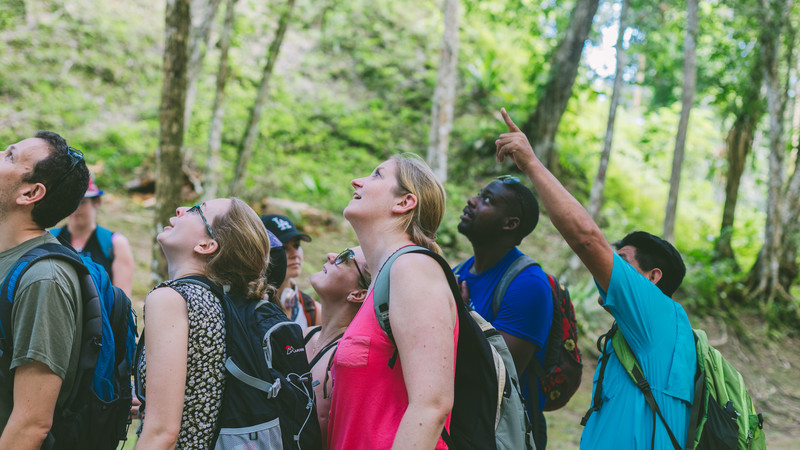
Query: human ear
(357, 296)
(206, 247)
(655, 275)
(31, 193)
(406, 203)
(511, 223)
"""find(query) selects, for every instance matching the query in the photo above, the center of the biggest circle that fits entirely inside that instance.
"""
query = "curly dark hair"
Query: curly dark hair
(652, 252)
(62, 197)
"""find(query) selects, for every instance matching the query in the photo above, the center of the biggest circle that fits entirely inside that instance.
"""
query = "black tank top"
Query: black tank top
(92, 249)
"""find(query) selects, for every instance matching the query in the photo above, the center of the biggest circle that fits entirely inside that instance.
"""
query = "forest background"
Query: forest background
(684, 124)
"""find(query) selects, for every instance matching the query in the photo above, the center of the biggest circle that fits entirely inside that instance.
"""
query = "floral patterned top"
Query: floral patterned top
(205, 375)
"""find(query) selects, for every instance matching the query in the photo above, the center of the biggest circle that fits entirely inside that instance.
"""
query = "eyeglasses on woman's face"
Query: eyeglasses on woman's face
(197, 209)
(349, 255)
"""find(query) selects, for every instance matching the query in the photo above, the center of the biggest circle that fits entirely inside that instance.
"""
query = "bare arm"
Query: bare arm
(167, 334)
(567, 214)
(122, 267)
(36, 390)
(423, 317)
(521, 351)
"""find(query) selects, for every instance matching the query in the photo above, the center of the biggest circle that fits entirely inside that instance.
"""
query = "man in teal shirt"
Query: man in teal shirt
(635, 284)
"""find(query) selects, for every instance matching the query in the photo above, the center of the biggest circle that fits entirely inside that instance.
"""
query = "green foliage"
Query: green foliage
(353, 85)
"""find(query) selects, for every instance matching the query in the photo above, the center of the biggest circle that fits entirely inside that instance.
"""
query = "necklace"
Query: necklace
(317, 347)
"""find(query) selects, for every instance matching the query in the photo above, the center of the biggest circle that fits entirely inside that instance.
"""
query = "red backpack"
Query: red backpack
(561, 374)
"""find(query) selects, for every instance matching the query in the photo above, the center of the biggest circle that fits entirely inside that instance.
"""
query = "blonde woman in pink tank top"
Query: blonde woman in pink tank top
(374, 406)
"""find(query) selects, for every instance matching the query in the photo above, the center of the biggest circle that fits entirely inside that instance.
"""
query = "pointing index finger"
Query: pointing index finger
(512, 127)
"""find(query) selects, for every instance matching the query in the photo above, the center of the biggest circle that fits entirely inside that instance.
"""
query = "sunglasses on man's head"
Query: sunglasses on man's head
(349, 255)
(75, 157)
(508, 179)
(197, 209)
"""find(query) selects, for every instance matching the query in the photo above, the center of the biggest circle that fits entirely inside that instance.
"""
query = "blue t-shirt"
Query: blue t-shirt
(659, 334)
(526, 311)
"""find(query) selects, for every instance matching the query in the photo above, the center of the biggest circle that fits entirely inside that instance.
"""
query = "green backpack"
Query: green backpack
(723, 415)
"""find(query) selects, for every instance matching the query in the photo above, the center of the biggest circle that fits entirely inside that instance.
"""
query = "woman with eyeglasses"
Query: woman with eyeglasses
(376, 404)
(342, 285)
(180, 372)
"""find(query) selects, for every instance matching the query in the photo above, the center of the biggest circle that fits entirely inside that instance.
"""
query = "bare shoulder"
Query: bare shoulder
(164, 298)
(416, 265)
(120, 242)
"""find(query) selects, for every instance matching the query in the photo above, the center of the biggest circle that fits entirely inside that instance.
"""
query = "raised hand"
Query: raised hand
(514, 144)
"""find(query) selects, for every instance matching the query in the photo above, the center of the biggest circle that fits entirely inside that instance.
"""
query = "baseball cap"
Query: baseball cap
(283, 228)
(92, 191)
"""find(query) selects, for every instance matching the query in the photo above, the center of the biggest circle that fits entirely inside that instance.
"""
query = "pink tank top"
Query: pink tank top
(369, 398)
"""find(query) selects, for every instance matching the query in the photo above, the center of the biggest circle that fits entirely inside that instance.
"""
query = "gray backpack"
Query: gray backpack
(488, 410)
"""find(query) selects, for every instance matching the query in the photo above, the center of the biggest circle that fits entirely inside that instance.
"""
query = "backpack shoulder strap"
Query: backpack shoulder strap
(332, 344)
(203, 282)
(521, 263)
(381, 289)
(631, 365)
(104, 237)
(9, 286)
(309, 307)
(311, 332)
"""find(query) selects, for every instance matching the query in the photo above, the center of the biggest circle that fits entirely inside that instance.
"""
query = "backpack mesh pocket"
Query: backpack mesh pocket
(265, 435)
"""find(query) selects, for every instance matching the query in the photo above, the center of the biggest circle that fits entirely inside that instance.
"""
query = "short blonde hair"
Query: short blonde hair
(242, 256)
(415, 177)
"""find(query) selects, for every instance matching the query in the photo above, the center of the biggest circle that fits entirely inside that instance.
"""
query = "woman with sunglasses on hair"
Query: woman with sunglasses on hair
(342, 285)
(180, 372)
(407, 404)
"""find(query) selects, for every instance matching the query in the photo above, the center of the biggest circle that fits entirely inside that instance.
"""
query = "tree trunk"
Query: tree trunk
(445, 93)
(739, 142)
(213, 176)
(173, 100)
(251, 132)
(764, 281)
(198, 43)
(596, 194)
(687, 100)
(542, 125)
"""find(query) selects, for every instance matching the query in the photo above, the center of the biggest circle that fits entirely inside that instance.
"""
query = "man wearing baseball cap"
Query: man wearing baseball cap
(105, 247)
(298, 306)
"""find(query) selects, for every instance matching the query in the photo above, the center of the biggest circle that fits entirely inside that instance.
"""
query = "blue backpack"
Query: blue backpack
(96, 413)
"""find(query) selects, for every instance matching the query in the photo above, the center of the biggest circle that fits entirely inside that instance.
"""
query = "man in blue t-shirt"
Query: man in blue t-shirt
(636, 283)
(495, 221)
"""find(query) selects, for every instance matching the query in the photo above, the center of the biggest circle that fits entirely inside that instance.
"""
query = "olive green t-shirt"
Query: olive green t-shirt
(46, 319)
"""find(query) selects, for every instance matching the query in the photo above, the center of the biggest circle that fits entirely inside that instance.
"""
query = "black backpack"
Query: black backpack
(268, 401)
(488, 410)
(95, 416)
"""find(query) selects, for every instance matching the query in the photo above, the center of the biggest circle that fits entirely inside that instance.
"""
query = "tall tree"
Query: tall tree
(245, 150)
(596, 194)
(687, 101)
(444, 95)
(169, 157)
(542, 125)
(199, 36)
(764, 281)
(738, 143)
(213, 170)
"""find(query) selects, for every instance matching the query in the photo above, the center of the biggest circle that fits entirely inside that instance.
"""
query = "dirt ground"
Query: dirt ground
(768, 367)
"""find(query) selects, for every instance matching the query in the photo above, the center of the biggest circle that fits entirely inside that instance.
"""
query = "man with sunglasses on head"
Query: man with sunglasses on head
(342, 285)
(42, 181)
(495, 221)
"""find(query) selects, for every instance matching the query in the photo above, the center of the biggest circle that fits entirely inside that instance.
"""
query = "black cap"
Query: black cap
(276, 271)
(283, 228)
